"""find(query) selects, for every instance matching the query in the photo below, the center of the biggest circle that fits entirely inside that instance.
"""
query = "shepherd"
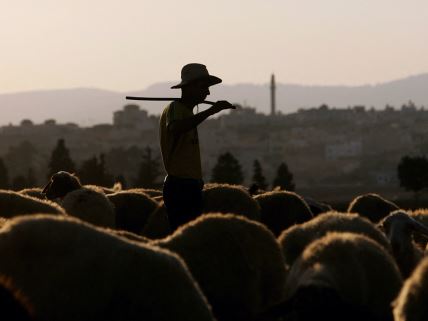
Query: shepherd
(182, 189)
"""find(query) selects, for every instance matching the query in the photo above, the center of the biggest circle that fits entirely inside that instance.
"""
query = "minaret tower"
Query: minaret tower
(272, 95)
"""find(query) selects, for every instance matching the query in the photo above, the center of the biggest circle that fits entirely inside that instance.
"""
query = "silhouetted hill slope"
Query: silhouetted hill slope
(80, 105)
(91, 106)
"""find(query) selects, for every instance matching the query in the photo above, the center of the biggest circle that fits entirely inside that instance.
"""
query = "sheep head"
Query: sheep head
(60, 184)
(343, 276)
(399, 228)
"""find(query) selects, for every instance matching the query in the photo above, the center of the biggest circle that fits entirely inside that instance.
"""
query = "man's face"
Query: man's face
(198, 90)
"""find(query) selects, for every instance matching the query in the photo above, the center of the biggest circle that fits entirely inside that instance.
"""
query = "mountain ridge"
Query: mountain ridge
(88, 106)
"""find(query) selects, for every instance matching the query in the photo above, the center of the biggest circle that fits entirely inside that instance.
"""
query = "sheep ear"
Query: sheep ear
(46, 188)
(419, 227)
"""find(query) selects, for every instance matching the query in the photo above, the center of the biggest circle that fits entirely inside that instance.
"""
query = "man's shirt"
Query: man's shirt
(180, 153)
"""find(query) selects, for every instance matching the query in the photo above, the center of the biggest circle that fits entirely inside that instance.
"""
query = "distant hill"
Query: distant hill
(86, 106)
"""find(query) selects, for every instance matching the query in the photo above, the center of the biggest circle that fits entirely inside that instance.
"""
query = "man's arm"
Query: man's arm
(182, 126)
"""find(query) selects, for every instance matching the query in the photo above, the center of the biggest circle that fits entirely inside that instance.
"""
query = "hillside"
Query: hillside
(86, 106)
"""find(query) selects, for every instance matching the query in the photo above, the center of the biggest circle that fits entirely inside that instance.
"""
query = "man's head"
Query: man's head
(195, 82)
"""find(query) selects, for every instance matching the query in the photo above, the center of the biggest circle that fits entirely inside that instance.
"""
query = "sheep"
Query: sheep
(343, 276)
(399, 227)
(157, 225)
(294, 240)
(158, 199)
(60, 184)
(149, 191)
(255, 189)
(3, 221)
(231, 199)
(88, 204)
(317, 207)
(13, 305)
(117, 187)
(13, 204)
(71, 270)
(281, 209)
(132, 209)
(420, 215)
(128, 235)
(36, 192)
(236, 261)
(410, 305)
(372, 206)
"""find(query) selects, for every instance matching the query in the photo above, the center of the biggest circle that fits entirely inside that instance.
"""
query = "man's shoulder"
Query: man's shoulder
(177, 105)
(166, 109)
(174, 105)
(177, 110)
(168, 106)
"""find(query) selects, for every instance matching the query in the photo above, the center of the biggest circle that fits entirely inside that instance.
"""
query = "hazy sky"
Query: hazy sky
(130, 44)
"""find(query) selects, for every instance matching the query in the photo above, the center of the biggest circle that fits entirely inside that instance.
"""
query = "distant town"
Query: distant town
(327, 150)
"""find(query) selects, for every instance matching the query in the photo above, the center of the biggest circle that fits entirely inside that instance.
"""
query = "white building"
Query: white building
(343, 150)
(132, 117)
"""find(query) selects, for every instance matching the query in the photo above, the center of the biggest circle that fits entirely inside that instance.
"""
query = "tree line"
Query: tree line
(412, 172)
(95, 171)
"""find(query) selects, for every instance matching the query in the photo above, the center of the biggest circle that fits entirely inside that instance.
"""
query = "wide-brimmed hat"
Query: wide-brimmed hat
(194, 72)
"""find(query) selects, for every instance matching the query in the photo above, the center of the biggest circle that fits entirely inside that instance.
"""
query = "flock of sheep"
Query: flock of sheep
(73, 252)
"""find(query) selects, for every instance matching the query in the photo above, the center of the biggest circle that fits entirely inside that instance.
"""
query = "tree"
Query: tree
(31, 178)
(19, 182)
(284, 178)
(88, 171)
(60, 159)
(258, 177)
(227, 170)
(106, 179)
(149, 170)
(4, 175)
(93, 171)
(19, 158)
(413, 173)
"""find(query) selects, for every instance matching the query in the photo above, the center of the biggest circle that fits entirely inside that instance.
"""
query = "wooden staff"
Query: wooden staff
(163, 99)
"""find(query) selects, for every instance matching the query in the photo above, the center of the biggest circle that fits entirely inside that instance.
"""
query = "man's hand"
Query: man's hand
(221, 105)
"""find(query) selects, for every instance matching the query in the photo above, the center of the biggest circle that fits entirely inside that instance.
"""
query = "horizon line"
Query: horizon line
(89, 87)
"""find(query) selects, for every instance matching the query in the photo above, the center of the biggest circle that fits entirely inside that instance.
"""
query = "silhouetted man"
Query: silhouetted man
(182, 189)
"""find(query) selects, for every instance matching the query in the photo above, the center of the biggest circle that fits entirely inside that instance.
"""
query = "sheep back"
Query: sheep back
(317, 207)
(71, 270)
(128, 235)
(36, 192)
(281, 209)
(13, 204)
(149, 191)
(236, 261)
(157, 225)
(132, 210)
(358, 269)
(294, 240)
(420, 215)
(106, 190)
(90, 206)
(13, 305)
(230, 199)
(410, 304)
(372, 206)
